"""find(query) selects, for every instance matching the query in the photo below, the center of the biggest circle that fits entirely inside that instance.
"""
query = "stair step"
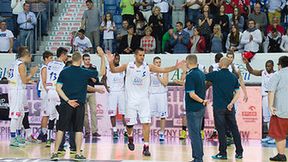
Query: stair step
(75, 5)
(59, 38)
(66, 28)
(51, 48)
(67, 23)
(72, 14)
(69, 10)
(59, 43)
(70, 19)
(75, 1)
(60, 33)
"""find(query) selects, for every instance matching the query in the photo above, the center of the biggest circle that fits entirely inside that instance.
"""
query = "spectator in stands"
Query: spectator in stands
(122, 31)
(259, 17)
(214, 5)
(91, 23)
(274, 41)
(156, 22)
(145, 7)
(251, 38)
(140, 24)
(164, 9)
(40, 7)
(193, 11)
(130, 42)
(127, 7)
(6, 38)
(233, 39)
(108, 28)
(189, 28)
(82, 43)
(216, 40)
(205, 23)
(274, 9)
(223, 20)
(197, 42)
(263, 3)
(178, 7)
(27, 21)
(276, 25)
(237, 19)
(284, 42)
(166, 46)
(17, 7)
(148, 42)
(180, 39)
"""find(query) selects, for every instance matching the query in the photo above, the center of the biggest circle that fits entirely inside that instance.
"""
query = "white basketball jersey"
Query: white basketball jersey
(115, 81)
(53, 70)
(155, 84)
(137, 81)
(216, 67)
(201, 67)
(14, 75)
(265, 82)
(40, 86)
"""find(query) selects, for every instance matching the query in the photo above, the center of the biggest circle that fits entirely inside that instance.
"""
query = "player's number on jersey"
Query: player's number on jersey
(53, 76)
(11, 73)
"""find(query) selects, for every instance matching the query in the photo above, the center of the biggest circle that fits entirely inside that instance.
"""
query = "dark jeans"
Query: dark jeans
(193, 15)
(223, 117)
(194, 123)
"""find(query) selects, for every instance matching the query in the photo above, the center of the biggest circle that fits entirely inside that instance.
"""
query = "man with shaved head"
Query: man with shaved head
(225, 94)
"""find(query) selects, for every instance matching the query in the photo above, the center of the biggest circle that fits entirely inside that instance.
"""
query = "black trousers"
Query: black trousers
(223, 117)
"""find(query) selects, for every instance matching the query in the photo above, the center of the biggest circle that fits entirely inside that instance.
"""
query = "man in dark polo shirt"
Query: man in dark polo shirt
(90, 100)
(195, 105)
(225, 94)
(72, 89)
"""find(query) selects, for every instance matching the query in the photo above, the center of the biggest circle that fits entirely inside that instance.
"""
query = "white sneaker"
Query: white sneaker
(272, 141)
(266, 139)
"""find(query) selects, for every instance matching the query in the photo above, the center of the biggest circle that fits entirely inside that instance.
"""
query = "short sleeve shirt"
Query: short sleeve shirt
(195, 82)
(224, 85)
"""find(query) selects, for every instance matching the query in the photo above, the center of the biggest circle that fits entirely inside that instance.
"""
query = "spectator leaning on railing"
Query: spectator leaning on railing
(6, 38)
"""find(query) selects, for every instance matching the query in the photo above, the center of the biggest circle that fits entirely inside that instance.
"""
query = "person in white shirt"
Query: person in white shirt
(136, 88)
(82, 43)
(284, 42)
(266, 76)
(18, 78)
(252, 37)
(108, 28)
(158, 97)
(17, 7)
(6, 39)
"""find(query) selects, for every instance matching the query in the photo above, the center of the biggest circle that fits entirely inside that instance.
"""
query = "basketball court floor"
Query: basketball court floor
(108, 150)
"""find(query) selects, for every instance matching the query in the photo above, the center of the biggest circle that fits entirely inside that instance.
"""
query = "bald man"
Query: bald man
(225, 94)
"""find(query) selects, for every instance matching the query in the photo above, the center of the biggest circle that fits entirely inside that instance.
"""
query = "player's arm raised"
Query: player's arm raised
(157, 69)
(23, 74)
(101, 54)
(114, 69)
(250, 69)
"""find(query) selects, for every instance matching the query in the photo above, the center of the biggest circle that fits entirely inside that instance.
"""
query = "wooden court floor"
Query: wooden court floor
(105, 148)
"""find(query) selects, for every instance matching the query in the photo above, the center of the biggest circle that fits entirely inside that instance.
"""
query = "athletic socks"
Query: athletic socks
(28, 132)
(114, 129)
(49, 135)
(18, 132)
(146, 143)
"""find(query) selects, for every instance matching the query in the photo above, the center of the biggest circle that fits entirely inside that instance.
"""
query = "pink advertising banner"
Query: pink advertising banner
(249, 115)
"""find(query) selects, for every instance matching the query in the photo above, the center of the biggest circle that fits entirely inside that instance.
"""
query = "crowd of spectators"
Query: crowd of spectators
(196, 26)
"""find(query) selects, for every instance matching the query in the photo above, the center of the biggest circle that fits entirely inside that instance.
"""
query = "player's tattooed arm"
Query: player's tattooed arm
(157, 69)
(23, 73)
(164, 80)
(101, 54)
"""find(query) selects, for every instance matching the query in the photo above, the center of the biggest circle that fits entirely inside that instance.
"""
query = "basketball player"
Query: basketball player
(53, 70)
(136, 88)
(266, 76)
(116, 95)
(18, 79)
(158, 97)
(47, 58)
